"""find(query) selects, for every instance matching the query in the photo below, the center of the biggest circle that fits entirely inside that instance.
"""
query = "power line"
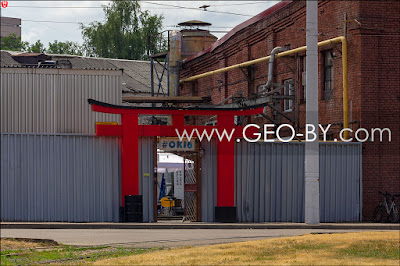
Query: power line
(152, 3)
(148, 2)
(241, 4)
(51, 21)
(212, 27)
(94, 7)
(193, 8)
(76, 7)
(71, 22)
(57, 6)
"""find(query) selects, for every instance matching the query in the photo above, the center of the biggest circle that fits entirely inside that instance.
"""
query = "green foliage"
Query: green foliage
(37, 47)
(127, 32)
(66, 254)
(67, 47)
(13, 43)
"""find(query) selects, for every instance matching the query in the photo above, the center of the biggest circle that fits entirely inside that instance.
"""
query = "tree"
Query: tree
(13, 43)
(37, 47)
(127, 32)
(67, 47)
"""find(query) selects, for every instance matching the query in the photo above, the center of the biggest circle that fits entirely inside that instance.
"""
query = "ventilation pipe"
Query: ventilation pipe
(271, 67)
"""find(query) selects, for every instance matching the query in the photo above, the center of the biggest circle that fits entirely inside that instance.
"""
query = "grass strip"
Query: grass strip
(19, 252)
(363, 248)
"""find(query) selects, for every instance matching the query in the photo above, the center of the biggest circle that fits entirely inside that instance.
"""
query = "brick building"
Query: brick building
(372, 30)
(10, 26)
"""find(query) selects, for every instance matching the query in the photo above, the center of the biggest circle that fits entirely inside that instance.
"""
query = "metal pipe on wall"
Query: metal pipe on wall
(340, 39)
(271, 65)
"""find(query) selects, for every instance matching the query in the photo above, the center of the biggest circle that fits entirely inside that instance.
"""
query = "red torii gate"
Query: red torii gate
(130, 131)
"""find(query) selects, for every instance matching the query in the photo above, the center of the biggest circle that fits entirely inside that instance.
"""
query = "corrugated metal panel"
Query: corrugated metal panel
(136, 75)
(55, 100)
(208, 181)
(340, 182)
(7, 60)
(67, 178)
(269, 182)
(146, 177)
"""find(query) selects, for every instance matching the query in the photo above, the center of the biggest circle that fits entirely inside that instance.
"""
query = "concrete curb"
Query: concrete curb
(191, 225)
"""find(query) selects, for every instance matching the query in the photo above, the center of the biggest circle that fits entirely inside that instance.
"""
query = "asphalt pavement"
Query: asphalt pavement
(172, 234)
(149, 238)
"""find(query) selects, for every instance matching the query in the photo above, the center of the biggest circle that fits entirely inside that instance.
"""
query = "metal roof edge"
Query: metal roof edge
(38, 70)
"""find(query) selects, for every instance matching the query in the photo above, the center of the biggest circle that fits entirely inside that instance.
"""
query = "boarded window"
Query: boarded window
(328, 75)
(289, 91)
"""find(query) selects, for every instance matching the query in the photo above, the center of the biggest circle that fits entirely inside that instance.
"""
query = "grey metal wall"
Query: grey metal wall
(146, 177)
(68, 178)
(269, 182)
(208, 181)
(40, 100)
(341, 182)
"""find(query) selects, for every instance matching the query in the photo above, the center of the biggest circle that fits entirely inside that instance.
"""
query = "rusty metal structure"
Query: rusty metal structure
(182, 44)
(194, 39)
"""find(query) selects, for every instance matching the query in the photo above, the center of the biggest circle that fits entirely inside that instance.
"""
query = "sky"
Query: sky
(58, 20)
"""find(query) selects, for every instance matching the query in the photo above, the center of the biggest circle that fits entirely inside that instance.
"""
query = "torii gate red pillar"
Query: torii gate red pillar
(225, 210)
(130, 131)
(130, 155)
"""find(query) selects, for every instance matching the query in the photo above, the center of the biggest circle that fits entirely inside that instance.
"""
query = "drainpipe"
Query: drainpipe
(271, 67)
(271, 71)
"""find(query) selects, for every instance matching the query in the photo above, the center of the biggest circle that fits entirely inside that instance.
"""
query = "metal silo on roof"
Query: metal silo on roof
(194, 39)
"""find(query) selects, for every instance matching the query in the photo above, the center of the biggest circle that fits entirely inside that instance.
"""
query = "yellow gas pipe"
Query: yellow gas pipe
(339, 39)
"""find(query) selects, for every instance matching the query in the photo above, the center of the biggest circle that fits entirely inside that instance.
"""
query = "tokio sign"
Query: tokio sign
(174, 144)
(4, 4)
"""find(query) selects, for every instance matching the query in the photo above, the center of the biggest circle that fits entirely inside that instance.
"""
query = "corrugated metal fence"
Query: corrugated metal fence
(146, 177)
(208, 181)
(68, 178)
(269, 182)
(76, 178)
(41, 100)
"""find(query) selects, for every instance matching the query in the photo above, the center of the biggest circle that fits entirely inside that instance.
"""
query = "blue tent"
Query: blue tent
(162, 188)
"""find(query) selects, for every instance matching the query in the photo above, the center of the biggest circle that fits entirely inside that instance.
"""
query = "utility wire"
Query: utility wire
(152, 3)
(212, 27)
(79, 7)
(194, 8)
(57, 6)
(71, 22)
(241, 4)
(94, 7)
(51, 21)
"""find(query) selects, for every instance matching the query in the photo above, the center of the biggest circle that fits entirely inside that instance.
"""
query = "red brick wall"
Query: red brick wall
(373, 75)
(380, 97)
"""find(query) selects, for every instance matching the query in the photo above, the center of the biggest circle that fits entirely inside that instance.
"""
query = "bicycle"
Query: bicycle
(383, 208)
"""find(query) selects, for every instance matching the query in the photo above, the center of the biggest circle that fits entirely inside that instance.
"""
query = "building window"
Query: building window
(328, 75)
(288, 86)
